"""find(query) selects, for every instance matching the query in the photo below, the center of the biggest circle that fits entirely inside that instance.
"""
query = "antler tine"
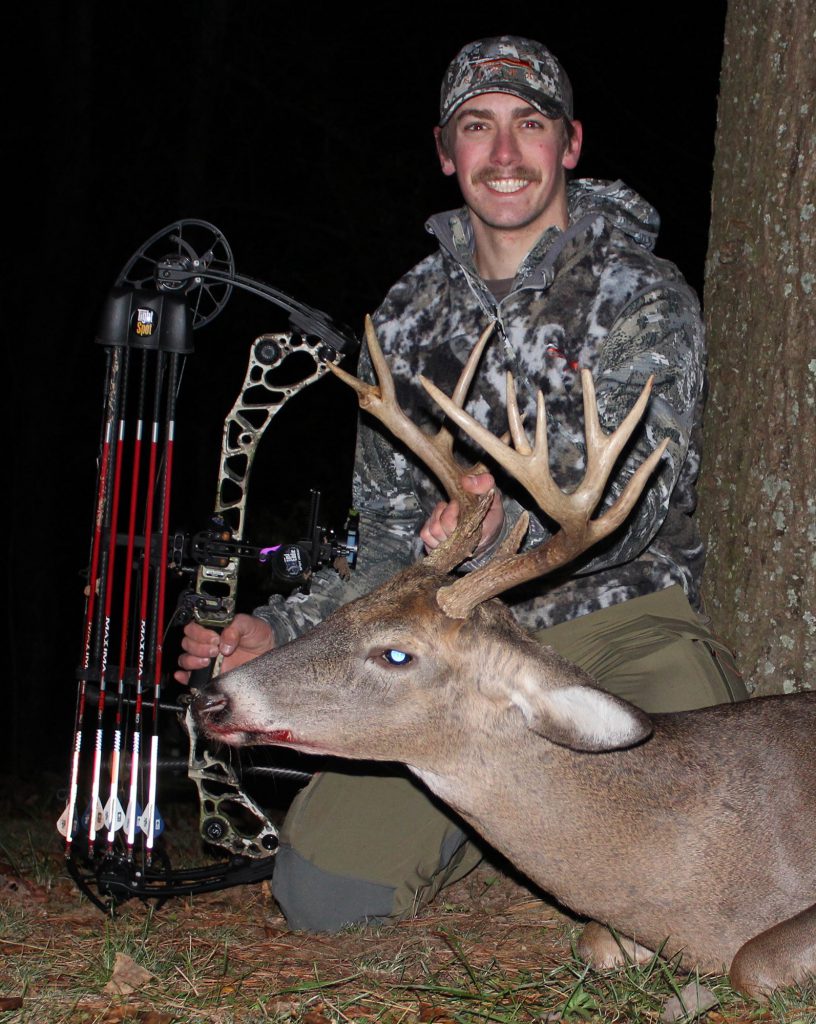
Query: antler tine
(617, 513)
(460, 391)
(380, 400)
(370, 394)
(603, 449)
(466, 376)
(529, 466)
(517, 431)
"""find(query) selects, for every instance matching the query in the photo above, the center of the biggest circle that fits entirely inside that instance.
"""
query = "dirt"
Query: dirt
(234, 946)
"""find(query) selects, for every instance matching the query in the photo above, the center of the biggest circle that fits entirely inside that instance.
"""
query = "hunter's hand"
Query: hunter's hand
(445, 516)
(245, 638)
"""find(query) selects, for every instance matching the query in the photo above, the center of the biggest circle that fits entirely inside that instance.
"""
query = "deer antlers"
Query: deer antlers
(573, 512)
(529, 464)
(435, 450)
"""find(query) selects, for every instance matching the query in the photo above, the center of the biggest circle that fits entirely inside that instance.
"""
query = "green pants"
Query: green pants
(358, 847)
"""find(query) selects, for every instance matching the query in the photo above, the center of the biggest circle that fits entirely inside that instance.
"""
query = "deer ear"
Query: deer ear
(573, 712)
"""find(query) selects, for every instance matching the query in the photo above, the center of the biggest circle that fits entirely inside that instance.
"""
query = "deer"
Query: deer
(692, 834)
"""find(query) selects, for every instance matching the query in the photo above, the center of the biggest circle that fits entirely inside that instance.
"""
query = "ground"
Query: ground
(489, 949)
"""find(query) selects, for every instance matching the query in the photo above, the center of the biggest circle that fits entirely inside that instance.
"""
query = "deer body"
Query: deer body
(695, 829)
(701, 834)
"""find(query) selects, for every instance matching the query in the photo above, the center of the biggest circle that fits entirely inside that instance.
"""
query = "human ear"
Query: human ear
(447, 164)
(573, 148)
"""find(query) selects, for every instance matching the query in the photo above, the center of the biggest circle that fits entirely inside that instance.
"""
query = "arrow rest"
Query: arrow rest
(112, 824)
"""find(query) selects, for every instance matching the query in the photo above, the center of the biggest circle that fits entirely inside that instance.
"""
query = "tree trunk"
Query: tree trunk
(758, 487)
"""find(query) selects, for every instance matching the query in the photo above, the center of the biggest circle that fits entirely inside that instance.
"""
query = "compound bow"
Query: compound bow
(178, 281)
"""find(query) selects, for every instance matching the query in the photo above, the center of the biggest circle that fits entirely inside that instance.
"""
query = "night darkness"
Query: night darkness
(308, 142)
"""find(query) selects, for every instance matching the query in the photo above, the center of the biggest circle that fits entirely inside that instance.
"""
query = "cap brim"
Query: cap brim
(549, 108)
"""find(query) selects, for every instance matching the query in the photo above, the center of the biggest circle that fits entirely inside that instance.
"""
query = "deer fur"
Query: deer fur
(693, 833)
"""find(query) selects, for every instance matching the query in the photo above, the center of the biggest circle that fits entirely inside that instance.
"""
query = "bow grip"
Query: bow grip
(200, 677)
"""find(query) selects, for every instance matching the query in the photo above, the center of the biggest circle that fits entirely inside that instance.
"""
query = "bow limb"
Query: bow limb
(261, 398)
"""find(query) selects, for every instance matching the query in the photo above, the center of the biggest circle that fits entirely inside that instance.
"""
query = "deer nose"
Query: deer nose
(205, 705)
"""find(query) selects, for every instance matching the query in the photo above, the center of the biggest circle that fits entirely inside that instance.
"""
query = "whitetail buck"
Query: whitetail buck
(693, 833)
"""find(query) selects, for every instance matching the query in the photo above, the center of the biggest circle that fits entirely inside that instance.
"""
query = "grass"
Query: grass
(486, 952)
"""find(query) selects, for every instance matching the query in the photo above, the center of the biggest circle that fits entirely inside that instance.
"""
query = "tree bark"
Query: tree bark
(758, 486)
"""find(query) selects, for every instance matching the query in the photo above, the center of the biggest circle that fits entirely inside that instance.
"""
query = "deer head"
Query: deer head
(414, 670)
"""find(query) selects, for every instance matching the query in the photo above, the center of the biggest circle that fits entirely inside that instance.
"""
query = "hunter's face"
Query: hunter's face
(510, 162)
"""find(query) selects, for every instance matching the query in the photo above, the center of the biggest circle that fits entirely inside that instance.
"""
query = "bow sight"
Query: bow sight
(178, 281)
(291, 565)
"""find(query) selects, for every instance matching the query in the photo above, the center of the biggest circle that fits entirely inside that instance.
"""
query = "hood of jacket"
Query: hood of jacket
(595, 207)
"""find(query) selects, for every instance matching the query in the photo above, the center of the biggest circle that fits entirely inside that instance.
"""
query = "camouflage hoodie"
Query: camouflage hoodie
(591, 296)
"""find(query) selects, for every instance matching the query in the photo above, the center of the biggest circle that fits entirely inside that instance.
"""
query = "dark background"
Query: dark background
(307, 141)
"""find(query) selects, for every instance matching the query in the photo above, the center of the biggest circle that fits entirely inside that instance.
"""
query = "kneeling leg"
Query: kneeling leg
(360, 848)
(599, 947)
(782, 955)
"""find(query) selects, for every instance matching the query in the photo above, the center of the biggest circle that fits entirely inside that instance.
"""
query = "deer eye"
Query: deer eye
(395, 657)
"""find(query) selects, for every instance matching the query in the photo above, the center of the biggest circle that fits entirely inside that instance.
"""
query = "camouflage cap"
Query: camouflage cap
(510, 64)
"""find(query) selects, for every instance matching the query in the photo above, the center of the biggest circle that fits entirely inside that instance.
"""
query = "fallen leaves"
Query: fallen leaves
(128, 976)
(429, 1014)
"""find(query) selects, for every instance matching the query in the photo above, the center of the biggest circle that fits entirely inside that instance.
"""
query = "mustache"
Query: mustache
(486, 174)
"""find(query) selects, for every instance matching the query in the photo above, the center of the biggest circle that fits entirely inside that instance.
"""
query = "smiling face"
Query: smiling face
(510, 162)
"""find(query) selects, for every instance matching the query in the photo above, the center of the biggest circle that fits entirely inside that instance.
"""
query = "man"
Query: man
(567, 276)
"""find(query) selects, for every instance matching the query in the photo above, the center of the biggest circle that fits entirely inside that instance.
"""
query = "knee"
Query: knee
(316, 900)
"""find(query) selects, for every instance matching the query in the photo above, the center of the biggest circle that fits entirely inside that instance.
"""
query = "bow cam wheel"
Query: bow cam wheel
(191, 256)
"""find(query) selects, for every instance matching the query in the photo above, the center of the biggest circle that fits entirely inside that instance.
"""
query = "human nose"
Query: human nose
(505, 147)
